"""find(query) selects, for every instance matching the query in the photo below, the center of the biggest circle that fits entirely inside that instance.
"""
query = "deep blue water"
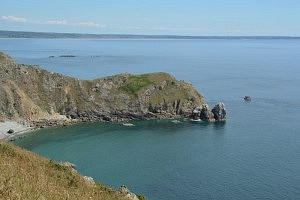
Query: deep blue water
(254, 155)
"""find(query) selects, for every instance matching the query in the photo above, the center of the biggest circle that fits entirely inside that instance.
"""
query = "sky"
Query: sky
(154, 17)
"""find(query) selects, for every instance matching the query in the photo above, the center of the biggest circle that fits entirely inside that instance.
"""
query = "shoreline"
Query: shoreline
(20, 129)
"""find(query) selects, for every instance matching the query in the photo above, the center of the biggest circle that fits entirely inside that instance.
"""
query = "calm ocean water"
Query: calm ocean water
(254, 155)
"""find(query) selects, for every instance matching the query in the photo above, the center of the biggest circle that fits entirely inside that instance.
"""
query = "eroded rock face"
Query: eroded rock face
(196, 113)
(124, 191)
(204, 113)
(33, 94)
(219, 112)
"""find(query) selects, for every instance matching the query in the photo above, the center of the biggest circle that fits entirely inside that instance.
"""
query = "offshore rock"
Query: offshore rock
(196, 113)
(219, 112)
(206, 114)
(247, 98)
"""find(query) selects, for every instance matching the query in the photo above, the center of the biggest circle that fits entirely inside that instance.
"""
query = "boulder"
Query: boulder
(219, 112)
(107, 118)
(72, 114)
(206, 114)
(196, 113)
(89, 180)
(10, 131)
(68, 164)
(123, 190)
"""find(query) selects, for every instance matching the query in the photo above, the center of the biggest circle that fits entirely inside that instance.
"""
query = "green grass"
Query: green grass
(136, 83)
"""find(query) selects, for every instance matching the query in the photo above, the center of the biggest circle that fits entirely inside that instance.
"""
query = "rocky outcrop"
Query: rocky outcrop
(247, 98)
(219, 112)
(44, 98)
(204, 113)
(124, 191)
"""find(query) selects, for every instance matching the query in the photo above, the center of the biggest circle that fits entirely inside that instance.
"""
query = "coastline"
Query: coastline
(112, 39)
(48, 99)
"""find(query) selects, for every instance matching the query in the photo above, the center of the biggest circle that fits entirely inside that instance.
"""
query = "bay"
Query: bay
(254, 155)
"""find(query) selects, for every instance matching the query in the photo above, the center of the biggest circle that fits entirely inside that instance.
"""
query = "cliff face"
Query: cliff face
(31, 93)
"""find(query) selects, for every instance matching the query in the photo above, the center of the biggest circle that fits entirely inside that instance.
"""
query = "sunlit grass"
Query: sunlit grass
(25, 175)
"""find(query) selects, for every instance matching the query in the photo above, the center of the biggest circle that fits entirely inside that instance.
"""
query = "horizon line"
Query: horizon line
(145, 35)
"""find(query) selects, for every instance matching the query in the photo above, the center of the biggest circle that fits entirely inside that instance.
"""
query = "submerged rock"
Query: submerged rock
(128, 124)
(67, 56)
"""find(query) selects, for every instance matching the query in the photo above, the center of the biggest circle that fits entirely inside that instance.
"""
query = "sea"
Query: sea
(254, 155)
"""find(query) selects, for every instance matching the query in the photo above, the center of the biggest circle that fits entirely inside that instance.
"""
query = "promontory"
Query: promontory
(41, 97)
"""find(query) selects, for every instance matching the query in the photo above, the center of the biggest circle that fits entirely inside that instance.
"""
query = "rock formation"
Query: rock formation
(219, 112)
(247, 98)
(124, 191)
(33, 94)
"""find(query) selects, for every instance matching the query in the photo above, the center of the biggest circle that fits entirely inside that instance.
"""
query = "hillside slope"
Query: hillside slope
(25, 175)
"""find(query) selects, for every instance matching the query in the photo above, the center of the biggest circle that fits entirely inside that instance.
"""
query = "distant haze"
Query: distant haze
(47, 35)
(155, 17)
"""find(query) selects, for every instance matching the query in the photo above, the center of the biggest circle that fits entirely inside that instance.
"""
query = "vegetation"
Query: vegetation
(35, 94)
(25, 175)
(136, 83)
(169, 95)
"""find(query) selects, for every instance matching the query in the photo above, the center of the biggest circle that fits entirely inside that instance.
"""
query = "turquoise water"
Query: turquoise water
(254, 155)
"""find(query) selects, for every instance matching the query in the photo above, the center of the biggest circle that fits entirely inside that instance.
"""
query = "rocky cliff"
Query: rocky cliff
(33, 94)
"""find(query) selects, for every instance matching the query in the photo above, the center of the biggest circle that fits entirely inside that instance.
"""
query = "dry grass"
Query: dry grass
(25, 175)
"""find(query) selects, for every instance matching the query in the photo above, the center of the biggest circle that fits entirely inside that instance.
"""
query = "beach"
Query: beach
(18, 128)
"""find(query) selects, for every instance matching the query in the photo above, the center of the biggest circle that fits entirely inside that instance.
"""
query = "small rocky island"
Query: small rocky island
(45, 98)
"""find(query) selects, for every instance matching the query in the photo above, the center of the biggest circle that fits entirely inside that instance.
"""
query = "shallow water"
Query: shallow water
(254, 155)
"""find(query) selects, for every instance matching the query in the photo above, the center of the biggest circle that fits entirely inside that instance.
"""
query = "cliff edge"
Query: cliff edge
(33, 94)
(25, 175)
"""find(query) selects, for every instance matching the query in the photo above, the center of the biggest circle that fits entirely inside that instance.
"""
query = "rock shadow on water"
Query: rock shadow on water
(220, 125)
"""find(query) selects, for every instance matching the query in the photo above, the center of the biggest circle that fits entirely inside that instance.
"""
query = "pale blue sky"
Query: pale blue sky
(175, 17)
